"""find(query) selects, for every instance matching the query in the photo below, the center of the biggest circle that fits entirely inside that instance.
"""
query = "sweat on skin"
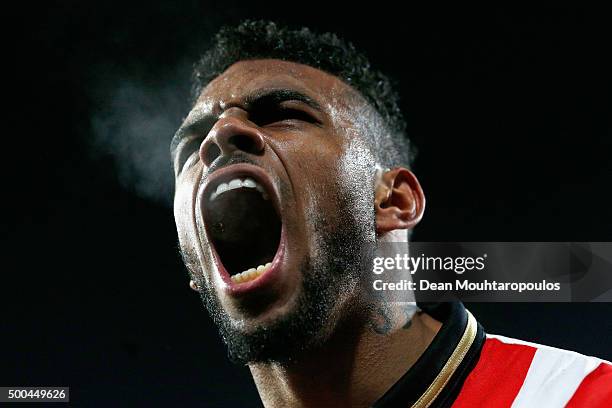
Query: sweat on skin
(310, 333)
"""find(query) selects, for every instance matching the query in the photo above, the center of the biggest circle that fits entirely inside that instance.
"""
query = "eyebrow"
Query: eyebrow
(203, 119)
(277, 96)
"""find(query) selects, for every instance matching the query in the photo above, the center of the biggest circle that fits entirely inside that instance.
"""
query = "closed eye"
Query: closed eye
(281, 114)
(185, 151)
(189, 137)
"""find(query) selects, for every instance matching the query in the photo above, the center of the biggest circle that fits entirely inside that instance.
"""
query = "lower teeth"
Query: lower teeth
(251, 274)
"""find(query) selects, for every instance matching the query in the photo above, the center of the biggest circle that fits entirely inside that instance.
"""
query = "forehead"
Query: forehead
(245, 77)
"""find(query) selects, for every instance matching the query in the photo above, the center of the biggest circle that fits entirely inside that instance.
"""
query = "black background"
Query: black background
(510, 110)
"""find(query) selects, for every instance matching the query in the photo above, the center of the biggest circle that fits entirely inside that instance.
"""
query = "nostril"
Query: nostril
(244, 143)
(211, 153)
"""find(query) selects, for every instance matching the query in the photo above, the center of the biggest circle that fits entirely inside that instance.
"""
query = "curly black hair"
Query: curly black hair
(263, 39)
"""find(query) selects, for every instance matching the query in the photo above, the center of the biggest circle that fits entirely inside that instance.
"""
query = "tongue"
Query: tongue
(245, 229)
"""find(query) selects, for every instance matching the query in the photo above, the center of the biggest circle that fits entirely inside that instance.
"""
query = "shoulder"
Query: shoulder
(518, 373)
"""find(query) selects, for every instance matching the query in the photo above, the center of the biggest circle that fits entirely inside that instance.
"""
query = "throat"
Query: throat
(354, 369)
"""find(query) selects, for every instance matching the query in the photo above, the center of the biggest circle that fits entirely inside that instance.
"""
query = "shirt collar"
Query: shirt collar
(436, 377)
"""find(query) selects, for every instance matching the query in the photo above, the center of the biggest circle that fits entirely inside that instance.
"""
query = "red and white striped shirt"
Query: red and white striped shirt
(464, 367)
(515, 373)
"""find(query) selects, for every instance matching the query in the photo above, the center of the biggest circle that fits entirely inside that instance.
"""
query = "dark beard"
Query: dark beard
(329, 279)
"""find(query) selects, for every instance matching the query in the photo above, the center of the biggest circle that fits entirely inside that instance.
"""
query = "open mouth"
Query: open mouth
(243, 225)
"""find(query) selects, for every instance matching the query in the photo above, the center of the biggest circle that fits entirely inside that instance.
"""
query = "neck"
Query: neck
(352, 369)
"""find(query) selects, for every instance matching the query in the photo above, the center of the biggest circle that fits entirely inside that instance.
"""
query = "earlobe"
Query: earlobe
(399, 201)
(194, 286)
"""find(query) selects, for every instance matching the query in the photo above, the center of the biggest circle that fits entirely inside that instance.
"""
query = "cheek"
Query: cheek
(183, 214)
(346, 185)
(357, 175)
(357, 167)
(332, 176)
(319, 167)
(320, 182)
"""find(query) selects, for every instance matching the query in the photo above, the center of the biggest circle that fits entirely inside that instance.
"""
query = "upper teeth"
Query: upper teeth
(238, 183)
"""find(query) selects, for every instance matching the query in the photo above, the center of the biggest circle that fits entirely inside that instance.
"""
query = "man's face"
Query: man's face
(274, 181)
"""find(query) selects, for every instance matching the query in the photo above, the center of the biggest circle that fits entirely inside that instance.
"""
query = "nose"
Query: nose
(232, 132)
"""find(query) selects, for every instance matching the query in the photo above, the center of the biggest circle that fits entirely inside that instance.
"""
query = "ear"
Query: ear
(399, 201)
